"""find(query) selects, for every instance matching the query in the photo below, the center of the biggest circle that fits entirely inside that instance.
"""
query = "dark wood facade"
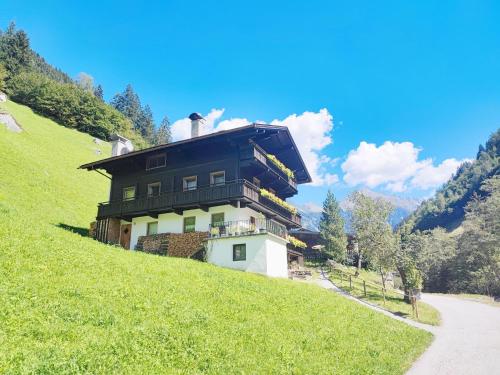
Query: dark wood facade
(241, 154)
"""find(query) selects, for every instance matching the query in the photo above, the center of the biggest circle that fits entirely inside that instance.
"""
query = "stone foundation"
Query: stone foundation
(183, 245)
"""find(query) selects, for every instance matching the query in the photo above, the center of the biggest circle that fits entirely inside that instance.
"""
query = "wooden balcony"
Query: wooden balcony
(261, 156)
(203, 197)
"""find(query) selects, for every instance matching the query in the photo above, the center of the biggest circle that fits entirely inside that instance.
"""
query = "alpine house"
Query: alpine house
(220, 196)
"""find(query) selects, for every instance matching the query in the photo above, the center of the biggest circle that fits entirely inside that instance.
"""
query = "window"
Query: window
(154, 189)
(218, 219)
(129, 193)
(239, 252)
(256, 182)
(189, 183)
(152, 228)
(156, 161)
(189, 224)
(217, 178)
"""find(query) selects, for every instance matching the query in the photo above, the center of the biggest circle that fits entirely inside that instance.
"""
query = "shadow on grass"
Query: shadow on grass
(84, 232)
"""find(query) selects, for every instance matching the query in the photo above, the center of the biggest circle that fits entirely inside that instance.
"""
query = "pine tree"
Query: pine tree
(331, 227)
(99, 93)
(128, 103)
(15, 52)
(163, 134)
(145, 124)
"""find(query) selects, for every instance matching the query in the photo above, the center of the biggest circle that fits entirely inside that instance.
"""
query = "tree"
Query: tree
(370, 223)
(128, 104)
(3, 76)
(99, 93)
(331, 227)
(145, 123)
(409, 249)
(163, 134)
(15, 52)
(477, 263)
(85, 81)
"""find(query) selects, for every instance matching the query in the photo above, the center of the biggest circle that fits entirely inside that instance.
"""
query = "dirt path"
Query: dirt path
(467, 342)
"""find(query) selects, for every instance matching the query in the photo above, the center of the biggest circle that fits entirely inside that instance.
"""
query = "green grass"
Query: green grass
(393, 299)
(72, 305)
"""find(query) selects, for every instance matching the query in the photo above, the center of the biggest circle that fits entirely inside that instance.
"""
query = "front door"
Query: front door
(125, 232)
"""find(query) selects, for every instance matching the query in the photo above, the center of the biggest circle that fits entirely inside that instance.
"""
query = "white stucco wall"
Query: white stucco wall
(173, 223)
(265, 254)
(277, 260)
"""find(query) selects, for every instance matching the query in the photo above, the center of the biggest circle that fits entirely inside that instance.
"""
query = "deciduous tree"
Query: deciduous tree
(370, 223)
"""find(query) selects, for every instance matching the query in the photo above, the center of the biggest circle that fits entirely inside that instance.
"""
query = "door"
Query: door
(125, 232)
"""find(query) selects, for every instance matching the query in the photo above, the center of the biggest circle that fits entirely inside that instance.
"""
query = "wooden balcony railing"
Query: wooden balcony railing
(261, 156)
(203, 196)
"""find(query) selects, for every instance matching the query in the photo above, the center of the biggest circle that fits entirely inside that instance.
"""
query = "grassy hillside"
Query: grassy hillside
(72, 305)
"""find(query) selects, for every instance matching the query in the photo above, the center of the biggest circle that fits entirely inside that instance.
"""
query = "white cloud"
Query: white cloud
(181, 129)
(312, 133)
(310, 130)
(395, 167)
(431, 176)
(310, 207)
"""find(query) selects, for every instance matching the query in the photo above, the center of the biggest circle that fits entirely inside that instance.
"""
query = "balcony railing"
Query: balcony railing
(261, 156)
(241, 190)
(247, 227)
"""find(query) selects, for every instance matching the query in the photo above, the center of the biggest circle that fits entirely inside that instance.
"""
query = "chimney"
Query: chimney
(196, 121)
(120, 145)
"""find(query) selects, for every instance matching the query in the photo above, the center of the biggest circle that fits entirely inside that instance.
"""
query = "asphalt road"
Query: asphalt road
(467, 342)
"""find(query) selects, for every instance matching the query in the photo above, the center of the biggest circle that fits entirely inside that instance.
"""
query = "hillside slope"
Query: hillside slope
(447, 208)
(73, 305)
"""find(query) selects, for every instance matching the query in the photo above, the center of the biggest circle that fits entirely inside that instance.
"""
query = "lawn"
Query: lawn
(72, 305)
(393, 298)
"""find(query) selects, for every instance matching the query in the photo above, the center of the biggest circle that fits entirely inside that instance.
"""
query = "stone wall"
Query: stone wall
(184, 245)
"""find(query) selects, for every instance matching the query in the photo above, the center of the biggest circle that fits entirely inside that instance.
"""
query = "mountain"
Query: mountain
(70, 304)
(311, 213)
(446, 208)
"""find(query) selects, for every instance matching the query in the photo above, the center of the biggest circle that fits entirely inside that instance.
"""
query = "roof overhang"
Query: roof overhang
(277, 137)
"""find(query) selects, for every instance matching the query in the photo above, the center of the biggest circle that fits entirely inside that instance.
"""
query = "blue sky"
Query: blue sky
(425, 73)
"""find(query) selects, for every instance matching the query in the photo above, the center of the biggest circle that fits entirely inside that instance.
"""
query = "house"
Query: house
(223, 192)
(314, 244)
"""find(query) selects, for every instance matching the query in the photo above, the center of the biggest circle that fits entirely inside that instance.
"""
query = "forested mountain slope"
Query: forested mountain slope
(446, 208)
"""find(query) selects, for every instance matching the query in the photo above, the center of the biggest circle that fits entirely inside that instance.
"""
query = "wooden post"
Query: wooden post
(350, 282)
(364, 287)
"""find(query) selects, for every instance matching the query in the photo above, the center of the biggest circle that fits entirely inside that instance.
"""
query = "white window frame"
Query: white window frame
(158, 183)
(128, 188)
(185, 183)
(147, 228)
(184, 224)
(212, 179)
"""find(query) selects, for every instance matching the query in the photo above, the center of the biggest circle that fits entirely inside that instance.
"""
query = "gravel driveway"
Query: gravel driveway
(467, 342)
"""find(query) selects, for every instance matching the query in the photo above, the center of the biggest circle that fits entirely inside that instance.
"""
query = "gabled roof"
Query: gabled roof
(288, 152)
